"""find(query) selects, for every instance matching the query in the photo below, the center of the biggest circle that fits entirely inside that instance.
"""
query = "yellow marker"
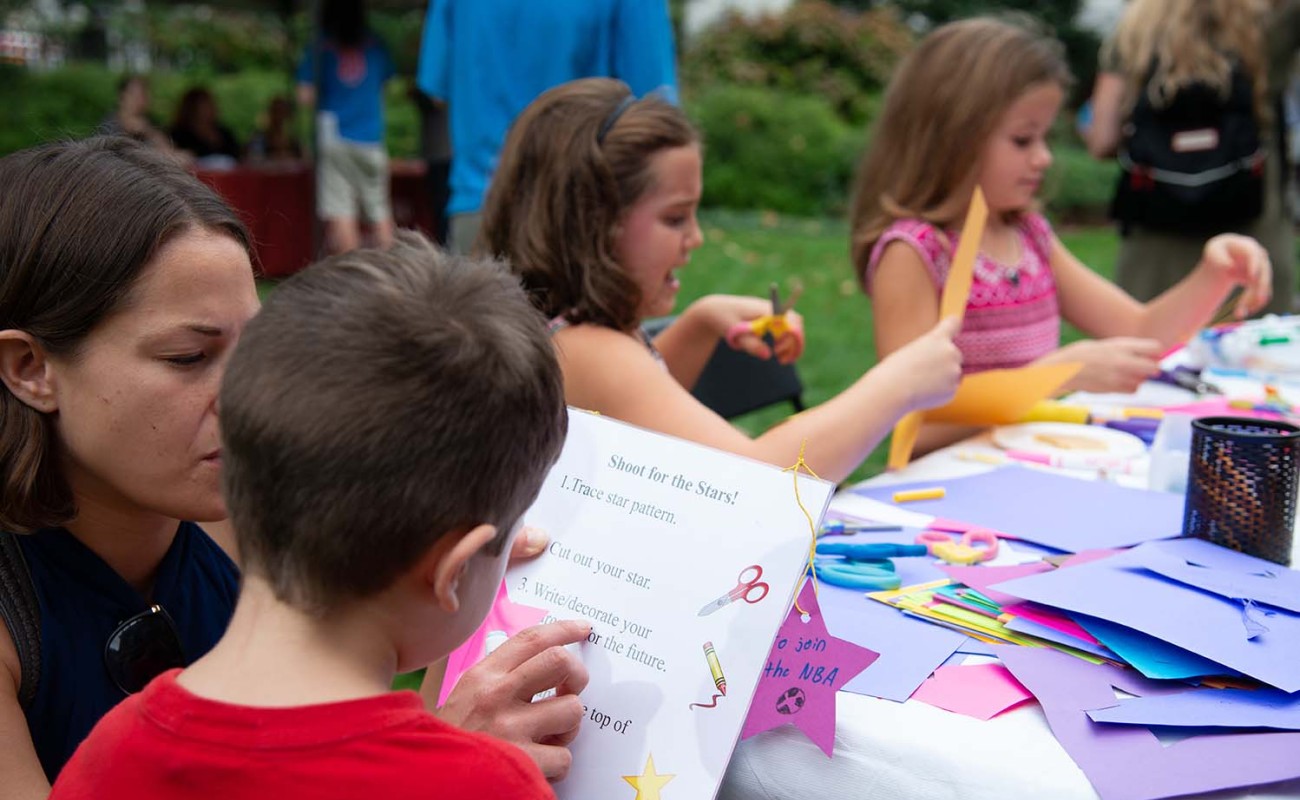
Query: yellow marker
(715, 667)
(935, 493)
(1144, 413)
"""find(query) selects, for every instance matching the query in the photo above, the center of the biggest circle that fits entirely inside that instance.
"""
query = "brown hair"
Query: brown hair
(1192, 41)
(944, 101)
(576, 159)
(187, 110)
(79, 222)
(380, 400)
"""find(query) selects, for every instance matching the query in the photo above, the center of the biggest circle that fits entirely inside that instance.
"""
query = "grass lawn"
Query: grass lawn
(744, 252)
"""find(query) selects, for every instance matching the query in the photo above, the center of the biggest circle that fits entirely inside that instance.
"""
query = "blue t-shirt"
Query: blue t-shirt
(82, 601)
(488, 59)
(351, 87)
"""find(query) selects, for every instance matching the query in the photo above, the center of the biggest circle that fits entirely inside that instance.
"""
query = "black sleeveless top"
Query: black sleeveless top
(82, 601)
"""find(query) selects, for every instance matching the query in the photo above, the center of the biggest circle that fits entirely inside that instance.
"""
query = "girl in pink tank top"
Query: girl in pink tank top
(938, 137)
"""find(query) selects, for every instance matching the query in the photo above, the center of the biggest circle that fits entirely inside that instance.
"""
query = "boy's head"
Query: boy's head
(382, 405)
(575, 163)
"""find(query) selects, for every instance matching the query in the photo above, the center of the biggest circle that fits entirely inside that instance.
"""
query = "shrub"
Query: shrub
(773, 150)
(813, 48)
(1079, 187)
(73, 101)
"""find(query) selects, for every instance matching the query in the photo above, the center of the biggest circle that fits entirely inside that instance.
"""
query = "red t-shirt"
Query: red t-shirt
(166, 742)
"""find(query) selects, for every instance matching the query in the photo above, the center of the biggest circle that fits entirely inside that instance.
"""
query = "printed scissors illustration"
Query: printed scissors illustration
(862, 566)
(746, 588)
(777, 324)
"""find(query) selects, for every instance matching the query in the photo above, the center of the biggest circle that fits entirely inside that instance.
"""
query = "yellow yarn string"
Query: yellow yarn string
(812, 526)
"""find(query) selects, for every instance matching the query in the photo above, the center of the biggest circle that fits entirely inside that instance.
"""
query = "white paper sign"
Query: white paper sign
(685, 560)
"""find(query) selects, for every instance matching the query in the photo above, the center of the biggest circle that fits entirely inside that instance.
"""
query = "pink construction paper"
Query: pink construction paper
(1126, 762)
(980, 578)
(505, 616)
(1054, 620)
(981, 691)
(804, 670)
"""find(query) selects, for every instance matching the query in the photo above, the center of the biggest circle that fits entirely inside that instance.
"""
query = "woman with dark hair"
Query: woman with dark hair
(124, 285)
(197, 128)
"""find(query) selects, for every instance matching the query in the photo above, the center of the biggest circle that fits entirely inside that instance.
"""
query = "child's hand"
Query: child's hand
(1118, 364)
(495, 695)
(730, 314)
(1242, 261)
(930, 366)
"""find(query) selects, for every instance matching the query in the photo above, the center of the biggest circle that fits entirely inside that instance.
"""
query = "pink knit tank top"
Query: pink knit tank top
(1012, 317)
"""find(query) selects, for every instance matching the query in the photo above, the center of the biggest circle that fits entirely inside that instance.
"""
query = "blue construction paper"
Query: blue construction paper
(1208, 708)
(976, 647)
(1120, 590)
(1225, 572)
(1147, 654)
(1031, 628)
(1056, 511)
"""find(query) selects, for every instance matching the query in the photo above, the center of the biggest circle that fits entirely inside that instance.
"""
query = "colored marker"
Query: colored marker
(715, 667)
(912, 495)
(837, 527)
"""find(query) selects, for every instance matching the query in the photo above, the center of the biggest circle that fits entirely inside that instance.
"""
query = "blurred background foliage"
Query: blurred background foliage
(785, 101)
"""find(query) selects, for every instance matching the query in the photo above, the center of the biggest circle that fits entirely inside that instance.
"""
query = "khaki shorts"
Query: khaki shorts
(350, 178)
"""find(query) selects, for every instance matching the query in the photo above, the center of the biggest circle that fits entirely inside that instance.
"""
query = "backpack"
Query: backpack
(21, 614)
(1195, 166)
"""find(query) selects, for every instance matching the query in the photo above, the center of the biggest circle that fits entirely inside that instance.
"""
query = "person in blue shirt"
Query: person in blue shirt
(488, 59)
(343, 74)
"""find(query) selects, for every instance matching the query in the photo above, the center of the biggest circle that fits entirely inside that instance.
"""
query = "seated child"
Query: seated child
(386, 419)
(938, 138)
(593, 203)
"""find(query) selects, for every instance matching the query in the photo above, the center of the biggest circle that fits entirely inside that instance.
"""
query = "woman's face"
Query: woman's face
(137, 404)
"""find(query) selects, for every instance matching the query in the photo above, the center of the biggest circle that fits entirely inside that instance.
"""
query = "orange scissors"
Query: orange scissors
(966, 551)
(746, 589)
(776, 324)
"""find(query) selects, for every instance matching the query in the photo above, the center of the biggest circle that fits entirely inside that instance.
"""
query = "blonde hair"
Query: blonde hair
(1191, 41)
(944, 101)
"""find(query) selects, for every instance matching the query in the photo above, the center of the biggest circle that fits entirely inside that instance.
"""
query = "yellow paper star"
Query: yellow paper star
(649, 782)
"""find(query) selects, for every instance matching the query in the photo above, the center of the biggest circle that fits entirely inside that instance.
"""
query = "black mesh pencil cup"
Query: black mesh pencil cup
(1241, 485)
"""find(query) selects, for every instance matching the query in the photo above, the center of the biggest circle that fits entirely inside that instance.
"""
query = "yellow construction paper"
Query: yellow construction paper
(1002, 396)
(952, 303)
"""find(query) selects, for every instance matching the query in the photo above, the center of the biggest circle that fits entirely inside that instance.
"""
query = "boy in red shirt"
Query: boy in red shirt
(386, 420)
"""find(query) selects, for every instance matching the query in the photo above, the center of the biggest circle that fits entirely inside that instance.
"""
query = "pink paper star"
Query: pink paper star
(804, 670)
(504, 619)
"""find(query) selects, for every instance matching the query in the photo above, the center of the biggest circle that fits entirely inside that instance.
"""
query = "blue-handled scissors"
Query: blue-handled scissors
(862, 566)
(750, 589)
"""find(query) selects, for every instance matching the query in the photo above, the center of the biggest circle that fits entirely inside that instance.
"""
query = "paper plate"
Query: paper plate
(1068, 439)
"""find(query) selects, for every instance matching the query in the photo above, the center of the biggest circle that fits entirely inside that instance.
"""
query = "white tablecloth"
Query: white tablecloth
(911, 750)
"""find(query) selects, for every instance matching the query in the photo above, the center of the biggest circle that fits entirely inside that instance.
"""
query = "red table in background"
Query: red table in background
(278, 204)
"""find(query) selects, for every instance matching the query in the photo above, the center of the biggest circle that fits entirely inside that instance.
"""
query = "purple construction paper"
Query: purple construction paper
(1148, 655)
(798, 685)
(975, 647)
(1031, 628)
(1119, 590)
(1208, 708)
(1128, 763)
(980, 578)
(909, 648)
(1234, 575)
(1060, 512)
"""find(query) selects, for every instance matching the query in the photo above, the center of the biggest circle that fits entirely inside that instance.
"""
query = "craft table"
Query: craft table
(903, 751)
